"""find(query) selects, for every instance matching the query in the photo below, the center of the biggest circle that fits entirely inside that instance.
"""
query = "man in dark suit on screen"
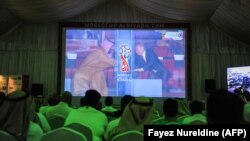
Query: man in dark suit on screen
(147, 60)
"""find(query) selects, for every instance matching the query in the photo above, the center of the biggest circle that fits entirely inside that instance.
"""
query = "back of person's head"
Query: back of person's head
(2, 97)
(170, 108)
(15, 114)
(125, 101)
(137, 113)
(237, 91)
(66, 97)
(109, 101)
(224, 108)
(53, 100)
(141, 108)
(92, 98)
(196, 107)
(82, 102)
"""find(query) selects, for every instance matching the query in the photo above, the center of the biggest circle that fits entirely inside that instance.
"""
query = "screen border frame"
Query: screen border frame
(62, 25)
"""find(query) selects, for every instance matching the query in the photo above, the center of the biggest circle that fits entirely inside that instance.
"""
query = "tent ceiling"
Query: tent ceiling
(232, 16)
(186, 10)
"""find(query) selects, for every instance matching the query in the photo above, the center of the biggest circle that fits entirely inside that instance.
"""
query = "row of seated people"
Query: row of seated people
(18, 117)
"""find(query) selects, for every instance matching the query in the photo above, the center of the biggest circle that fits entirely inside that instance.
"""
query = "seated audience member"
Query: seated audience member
(247, 112)
(112, 124)
(138, 112)
(16, 116)
(196, 108)
(38, 118)
(52, 101)
(124, 102)
(108, 105)
(89, 115)
(62, 109)
(224, 108)
(170, 110)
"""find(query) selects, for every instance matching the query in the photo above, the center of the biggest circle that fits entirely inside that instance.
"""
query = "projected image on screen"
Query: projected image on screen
(117, 62)
(238, 78)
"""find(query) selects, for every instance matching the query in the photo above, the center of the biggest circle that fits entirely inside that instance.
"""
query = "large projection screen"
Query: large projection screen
(136, 59)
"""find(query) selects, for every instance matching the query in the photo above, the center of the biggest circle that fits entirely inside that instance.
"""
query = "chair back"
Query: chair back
(4, 136)
(157, 120)
(180, 119)
(172, 123)
(56, 122)
(63, 134)
(132, 135)
(86, 131)
(197, 122)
